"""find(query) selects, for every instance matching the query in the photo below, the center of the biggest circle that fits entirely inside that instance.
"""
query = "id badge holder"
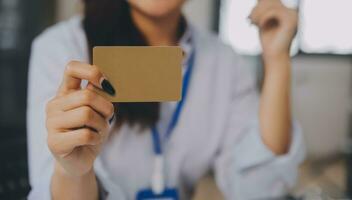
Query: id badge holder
(148, 194)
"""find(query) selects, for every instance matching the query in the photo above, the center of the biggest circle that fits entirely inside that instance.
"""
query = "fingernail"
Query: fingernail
(107, 87)
(112, 118)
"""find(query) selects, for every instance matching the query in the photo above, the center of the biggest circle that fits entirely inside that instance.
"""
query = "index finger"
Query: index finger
(76, 71)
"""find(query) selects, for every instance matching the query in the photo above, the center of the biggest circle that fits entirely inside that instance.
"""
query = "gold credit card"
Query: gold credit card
(141, 74)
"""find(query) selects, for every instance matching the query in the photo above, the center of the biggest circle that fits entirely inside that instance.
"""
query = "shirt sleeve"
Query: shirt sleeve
(48, 59)
(245, 168)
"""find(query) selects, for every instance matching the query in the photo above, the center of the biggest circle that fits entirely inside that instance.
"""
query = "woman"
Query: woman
(249, 144)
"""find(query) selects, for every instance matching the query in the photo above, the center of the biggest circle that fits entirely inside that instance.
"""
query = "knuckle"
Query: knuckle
(50, 123)
(87, 96)
(51, 144)
(70, 65)
(87, 136)
(95, 73)
(111, 109)
(87, 113)
(106, 127)
(51, 106)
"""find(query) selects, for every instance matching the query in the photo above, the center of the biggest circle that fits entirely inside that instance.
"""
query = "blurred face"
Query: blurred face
(157, 8)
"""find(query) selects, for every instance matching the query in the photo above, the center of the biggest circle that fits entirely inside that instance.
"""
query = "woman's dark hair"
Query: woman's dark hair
(109, 23)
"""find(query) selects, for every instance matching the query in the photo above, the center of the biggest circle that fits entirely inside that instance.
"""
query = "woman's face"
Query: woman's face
(157, 8)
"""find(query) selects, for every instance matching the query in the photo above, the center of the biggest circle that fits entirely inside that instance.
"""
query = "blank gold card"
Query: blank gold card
(141, 74)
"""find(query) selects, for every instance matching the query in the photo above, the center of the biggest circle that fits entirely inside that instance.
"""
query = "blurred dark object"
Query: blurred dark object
(20, 21)
(349, 161)
(216, 20)
(13, 171)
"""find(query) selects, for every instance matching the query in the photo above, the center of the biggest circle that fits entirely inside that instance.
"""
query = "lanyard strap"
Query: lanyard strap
(176, 115)
(158, 182)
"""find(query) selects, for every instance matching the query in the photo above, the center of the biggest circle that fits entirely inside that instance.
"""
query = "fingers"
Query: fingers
(268, 19)
(264, 6)
(76, 71)
(81, 98)
(80, 117)
(64, 143)
(272, 12)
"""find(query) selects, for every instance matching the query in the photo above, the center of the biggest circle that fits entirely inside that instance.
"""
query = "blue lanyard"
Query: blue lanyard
(176, 115)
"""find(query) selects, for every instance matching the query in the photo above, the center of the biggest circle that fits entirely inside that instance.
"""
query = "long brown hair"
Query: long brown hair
(109, 23)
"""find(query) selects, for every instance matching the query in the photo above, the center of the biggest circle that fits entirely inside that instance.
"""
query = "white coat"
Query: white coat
(218, 129)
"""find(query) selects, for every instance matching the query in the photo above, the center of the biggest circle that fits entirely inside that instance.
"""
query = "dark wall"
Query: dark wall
(20, 21)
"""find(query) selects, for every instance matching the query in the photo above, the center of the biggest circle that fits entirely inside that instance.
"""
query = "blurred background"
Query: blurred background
(322, 84)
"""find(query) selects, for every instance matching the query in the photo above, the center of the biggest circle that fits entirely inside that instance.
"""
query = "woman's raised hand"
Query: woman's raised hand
(77, 119)
(277, 25)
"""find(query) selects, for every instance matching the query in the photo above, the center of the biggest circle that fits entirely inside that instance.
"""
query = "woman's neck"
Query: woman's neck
(158, 32)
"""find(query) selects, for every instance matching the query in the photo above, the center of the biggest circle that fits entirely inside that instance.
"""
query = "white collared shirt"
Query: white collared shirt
(218, 127)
